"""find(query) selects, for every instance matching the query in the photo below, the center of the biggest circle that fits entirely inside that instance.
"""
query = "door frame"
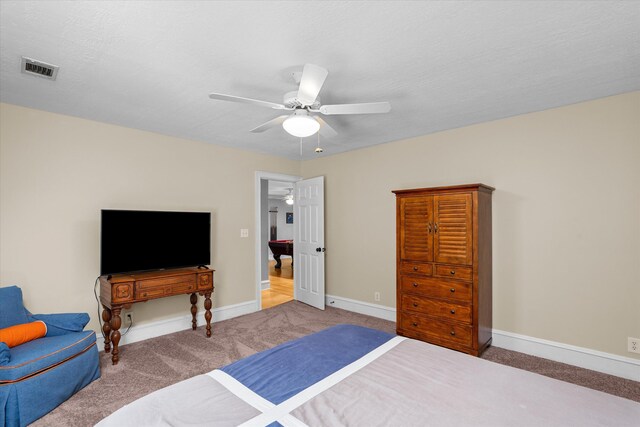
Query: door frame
(259, 176)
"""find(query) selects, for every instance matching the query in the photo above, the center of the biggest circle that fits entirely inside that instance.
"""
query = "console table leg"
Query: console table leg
(115, 335)
(194, 311)
(106, 329)
(278, 261)
(207, 313)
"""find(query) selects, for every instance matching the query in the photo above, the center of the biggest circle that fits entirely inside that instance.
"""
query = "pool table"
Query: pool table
(281, 247)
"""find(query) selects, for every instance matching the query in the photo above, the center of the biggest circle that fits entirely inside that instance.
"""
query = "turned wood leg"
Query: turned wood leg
(106, 329)
(115, 335)
(207, 313)
(194, 311)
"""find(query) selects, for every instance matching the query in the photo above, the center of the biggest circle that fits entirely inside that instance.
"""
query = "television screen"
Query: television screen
(152, 240)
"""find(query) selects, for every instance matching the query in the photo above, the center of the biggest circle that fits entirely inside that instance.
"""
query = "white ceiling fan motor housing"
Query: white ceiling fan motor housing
(290, 100)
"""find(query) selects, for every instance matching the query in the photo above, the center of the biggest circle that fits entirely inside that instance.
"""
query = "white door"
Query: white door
(308, 237)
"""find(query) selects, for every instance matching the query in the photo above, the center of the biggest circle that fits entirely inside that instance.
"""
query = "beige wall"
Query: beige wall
(566, 211)
(566, 216)
(57, 172)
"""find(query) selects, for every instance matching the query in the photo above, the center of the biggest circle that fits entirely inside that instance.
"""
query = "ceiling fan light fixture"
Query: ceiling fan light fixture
(288, 199)
(301, 124)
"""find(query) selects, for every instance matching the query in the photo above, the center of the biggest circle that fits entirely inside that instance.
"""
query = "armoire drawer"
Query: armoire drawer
(422, 268)
(442, 330)
(436, 308)
(436, 288)
(454, 272)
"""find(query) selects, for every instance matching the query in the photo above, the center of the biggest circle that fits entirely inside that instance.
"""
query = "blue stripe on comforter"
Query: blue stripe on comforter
(283, 371)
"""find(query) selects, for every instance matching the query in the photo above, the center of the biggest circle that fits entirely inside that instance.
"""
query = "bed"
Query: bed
(356, 376)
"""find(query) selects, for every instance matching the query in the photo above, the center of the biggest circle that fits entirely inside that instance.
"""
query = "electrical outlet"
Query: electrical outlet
(244, 232)
(376, 296)
(633, 345)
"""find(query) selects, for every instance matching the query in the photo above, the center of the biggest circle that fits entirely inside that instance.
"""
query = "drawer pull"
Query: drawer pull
(415, 268)
(415, 304)
(453, 311)
(144, 294)
(452, 272)
(415, 285)
(415, 323)
(452, 290)
(453, 333)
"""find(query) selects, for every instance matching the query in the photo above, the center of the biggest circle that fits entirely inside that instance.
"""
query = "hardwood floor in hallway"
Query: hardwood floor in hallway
(281, 284)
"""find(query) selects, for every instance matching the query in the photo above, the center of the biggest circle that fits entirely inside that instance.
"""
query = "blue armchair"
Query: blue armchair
(39, 375)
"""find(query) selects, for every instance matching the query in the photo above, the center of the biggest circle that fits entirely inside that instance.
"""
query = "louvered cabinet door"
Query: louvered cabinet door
(416, 225)
(453, 232)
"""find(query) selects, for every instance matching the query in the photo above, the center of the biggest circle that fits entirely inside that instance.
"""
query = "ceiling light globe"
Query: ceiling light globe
(300, 124)
(289, 202)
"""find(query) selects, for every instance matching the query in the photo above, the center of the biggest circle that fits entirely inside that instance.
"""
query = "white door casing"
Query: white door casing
(308, 237)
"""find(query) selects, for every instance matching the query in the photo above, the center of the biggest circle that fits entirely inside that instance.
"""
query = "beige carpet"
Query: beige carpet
(152, 364)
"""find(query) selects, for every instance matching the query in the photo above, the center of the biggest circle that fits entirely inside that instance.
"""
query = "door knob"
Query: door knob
(320, 249)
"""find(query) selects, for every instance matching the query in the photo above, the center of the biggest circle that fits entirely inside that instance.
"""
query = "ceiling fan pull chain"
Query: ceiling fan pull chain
(301, 147)
(319, 149)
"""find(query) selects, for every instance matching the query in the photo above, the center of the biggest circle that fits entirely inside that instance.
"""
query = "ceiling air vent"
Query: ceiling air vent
(39, 68)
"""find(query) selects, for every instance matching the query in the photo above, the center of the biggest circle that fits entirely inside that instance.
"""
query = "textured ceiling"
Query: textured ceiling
(442, 65)
(278, 189)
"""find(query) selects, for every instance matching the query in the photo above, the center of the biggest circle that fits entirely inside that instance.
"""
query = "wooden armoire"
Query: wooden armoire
(443, 266)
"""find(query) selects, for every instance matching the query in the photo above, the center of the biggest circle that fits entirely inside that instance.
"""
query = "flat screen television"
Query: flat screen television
(151, 240)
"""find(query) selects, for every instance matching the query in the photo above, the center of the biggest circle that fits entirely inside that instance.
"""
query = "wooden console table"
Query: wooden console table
(122, 290)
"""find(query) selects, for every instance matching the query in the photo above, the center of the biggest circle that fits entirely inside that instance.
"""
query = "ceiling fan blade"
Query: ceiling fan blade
(270, 124)
(311, 82)
(325, 130)
(367, 108)
(232, 98)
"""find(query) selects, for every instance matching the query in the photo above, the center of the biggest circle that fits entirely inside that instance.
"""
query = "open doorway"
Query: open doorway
(280, 205)
(274, 239)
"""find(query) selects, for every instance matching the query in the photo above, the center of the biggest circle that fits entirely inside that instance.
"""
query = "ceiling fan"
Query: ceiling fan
(288, 198)
(301, 103)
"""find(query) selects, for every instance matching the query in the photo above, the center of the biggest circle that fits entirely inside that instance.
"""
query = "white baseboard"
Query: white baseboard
(607, 363)
(179, 323)
(265, 284)
(375, 310)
